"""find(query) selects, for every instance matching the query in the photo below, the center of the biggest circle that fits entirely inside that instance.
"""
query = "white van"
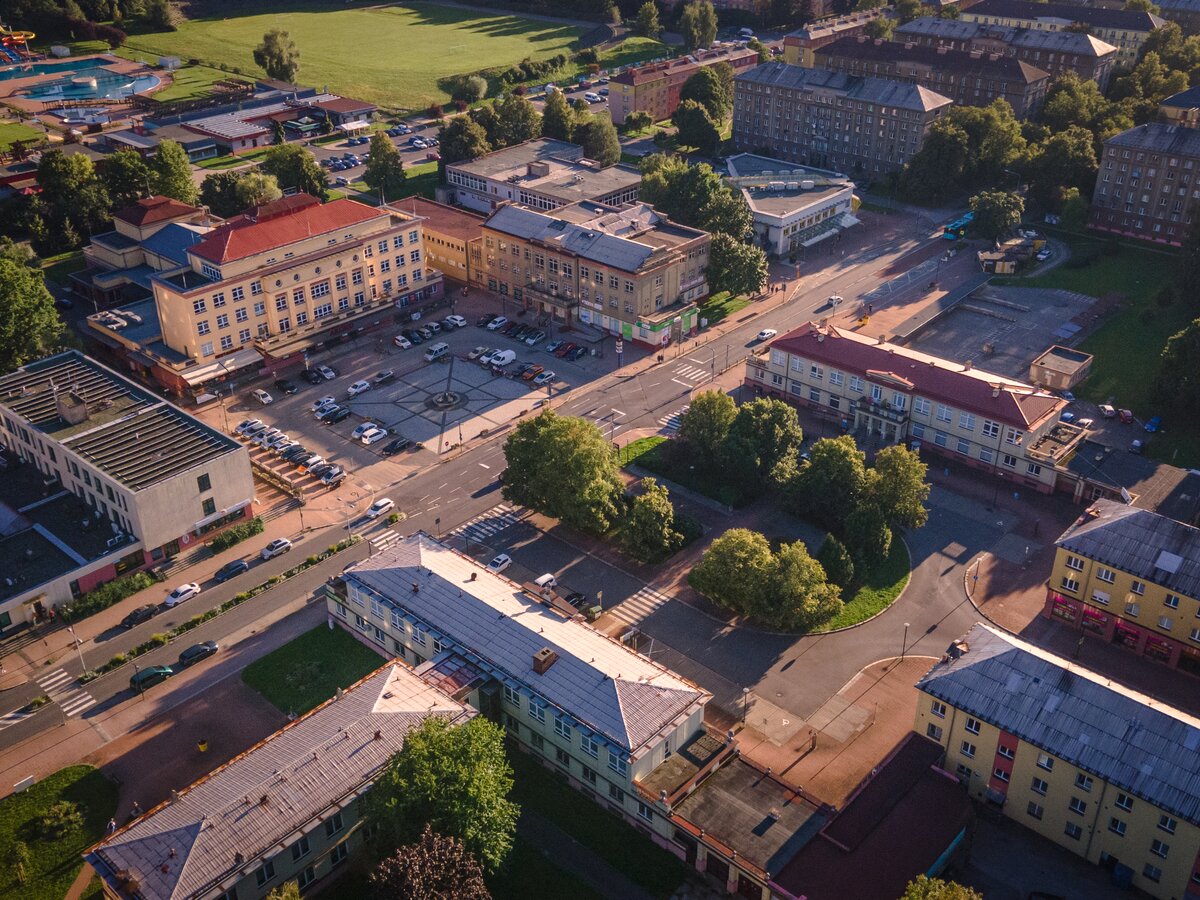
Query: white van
(546, 581)
(503, 358)
(437, 351)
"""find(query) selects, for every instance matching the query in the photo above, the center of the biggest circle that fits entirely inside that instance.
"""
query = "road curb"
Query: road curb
(977, 561)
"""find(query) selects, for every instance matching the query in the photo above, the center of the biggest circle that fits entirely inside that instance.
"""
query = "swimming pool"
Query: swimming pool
(28, 71)
(96, 85)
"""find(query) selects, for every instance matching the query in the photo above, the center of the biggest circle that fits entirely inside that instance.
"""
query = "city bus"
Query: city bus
(957, 229)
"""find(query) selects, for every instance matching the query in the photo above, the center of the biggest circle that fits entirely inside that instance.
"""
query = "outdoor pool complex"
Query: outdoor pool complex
(83, 79)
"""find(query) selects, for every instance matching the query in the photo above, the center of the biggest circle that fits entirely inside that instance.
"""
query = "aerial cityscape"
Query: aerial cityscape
(640, 449)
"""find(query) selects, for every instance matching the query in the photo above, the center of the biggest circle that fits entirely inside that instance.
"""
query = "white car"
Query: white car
(544, 377)
(374, 436)
(497, 323)
(592, 97)
(486, 359)
(262, 397)
(474, 354)
(265, 437)
(402, 342)
(457, 321)
(277, 547)
(278, 441)
(359, 387)
(181, 593)
(246, 425)
(363, 429)
(500, 562)
(327, 373)
(767, 333)
(323, 404)
(379, 507)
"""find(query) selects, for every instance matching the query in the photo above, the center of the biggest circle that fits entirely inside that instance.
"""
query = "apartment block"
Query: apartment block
(1147, 186)
(629, 271)
(1130, 577)
(654, 88)
(448, 232)
(1055, 51)
(1185, 12)
(864, 126)
(968, 77)
(1125, 29)
(800, 46)
(870, 387)
(1081, 760)
(261, 289)
(288, 809)
(541, 174)
(101, 477)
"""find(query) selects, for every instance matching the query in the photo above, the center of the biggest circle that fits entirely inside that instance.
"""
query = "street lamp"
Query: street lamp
(904, 644)
(82, 665)
(745, 703)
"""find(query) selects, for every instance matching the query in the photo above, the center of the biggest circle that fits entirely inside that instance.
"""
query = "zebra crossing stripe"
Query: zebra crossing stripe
(58, 687)
(486, 524)
(54, 681)
(639, 607)
(81, 701)
(670, 422)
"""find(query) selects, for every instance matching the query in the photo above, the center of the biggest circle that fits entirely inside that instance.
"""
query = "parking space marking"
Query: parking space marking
(639, 607)
(486, 524)
(58, 687)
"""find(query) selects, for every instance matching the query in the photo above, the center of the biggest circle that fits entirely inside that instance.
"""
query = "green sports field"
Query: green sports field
(391, 55)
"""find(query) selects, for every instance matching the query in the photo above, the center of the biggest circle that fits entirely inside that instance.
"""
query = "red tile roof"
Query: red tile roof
(448, 220)
(154, 209)
(278, 224)
(344, 105)
(984, 393)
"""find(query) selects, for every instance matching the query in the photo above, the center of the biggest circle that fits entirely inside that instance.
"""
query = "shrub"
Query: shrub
(61, 819)
(106, 595)
(587, 55)
(37, 702)
(393, 518)
(461, 105)
(236, 534)
(469, 88)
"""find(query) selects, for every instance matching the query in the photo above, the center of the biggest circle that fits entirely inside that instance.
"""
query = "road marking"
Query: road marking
(385, 539)
(485, 465)
(487, 524)
(58, 687)
(671, 421)
(9, 719)
(639, 607)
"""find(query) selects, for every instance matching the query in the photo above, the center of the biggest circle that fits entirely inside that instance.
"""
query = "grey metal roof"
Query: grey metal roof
(1137, 744)
(1122, 19)
(261, 801)
(1144, 544)
(1071, 42)
(964, 62)
(1159, 137)
(868, 89)
(589, 243)
(600, 682)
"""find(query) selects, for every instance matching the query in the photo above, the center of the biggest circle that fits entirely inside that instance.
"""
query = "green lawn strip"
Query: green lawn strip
(307, 671)
(649, 454)
(11, 132)
(54, 863)
(59, 268)
(190, 82)
(722, 304)
(625, 849)
(233, 160)
(877, 592)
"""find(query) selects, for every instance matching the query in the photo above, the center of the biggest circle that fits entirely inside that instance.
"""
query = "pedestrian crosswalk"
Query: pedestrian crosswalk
(671, 421)
(385, 539)
(639, 607)
(484, 525)
(690, 375)
(60, 686)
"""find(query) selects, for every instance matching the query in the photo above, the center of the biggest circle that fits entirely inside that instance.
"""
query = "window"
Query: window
(206, 349)
(537, 741)
(1083, 782)
(1117, 826)
(418, 633)
(616, 793)
(1034, 469)
(512, 695)
(815, 371)
(938, 709)
(223, 321)
(1070, 584)
(1158, 848)
(334, 824)
(1103, 574)
(1165, 623)
(339, 854)
(968, 749)
(1009, 460)
(240, 314)
(563, 757)
(238, 294)
(1125, 802)
(1171, 601)
(933, 732)
(1000, 775)
(218, 299)
(1073, 831)
(260, 308)
(562, 727)
(199, 306)
(589, 746)
(255, 288)
(972, 726)
(306, 877)
(1014, 437)
(300, 849)
(837, 378)
(963, 447)
(645, 811)
(856, 384)
(1039, 786)
(1077, 806)
(1006, 752)
(204, 483)
(617, 763)
(202, 327)
(943, 413)
(1154, 873)
(1167, 824)
(963, 771)
(966, 421)
(265, 873)
(209, 506)
(1034, 810)
(537, 709)
(991, 429)
(921, 406)
(589, 776)
(1137, 587)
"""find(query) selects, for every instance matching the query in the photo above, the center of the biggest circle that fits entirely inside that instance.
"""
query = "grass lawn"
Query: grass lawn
(876, 593)
(387, 54)
(722, 304)
(650, 454)
(11, 132)
(53, 863)
(190, 82)
(307, 671)
(58, 268)
(625, 849)
(233, 160)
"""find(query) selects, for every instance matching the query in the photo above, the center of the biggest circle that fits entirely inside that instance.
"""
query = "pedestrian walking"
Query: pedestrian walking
(137, 809)
(112, 826)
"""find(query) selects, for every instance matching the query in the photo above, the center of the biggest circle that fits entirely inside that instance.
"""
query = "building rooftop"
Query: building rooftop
(1070, 42)
(151, 210)
(680, 65)
(31, 558)
(203, 841)
(462, 224)
(119, 427)
(1135, 742)
(774, 187)
(1101, 17)
(1063, 359)
(182, 135)
(1153, 485)
(965, 63)
(554, 168)
(1159, 137)
(869, 89)
(974, 390)
(240, 124)
(622, 696)
(136, 322)
(822, 28)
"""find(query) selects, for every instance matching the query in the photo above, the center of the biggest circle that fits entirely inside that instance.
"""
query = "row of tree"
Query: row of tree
(705, 102)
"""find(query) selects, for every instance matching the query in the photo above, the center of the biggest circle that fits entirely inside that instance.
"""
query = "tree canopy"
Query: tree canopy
(693, 195)
(277, 56)
(294, 167)
(649, 531)
(898, 488)
(384, 172)
(832, 482)
(735, 266)
(29, 323)
(125, 177)
(436, 867)
(712, 88)
(698, 25)
(969, 146)
(558, 118)
(600, 141)
(704, 428)
(517, 121)
(996, 213)
(764, 444)
(1178, 375)
(255, 189)
(647, 24)
(925, 888)
(172, 173)
(462, 139)
(695, 127)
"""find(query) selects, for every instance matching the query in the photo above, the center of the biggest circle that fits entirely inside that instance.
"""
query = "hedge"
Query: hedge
(106, 595)
(236, 534)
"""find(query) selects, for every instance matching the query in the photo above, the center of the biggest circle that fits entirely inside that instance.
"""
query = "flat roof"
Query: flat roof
(569, 177)
(778, 188)
(1063, 359)
(1154, 485)
(30, 558)
(458, 223)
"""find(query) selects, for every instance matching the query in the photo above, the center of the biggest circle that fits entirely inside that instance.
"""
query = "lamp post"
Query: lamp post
(82, 665)
(745, 703)
(904, 643)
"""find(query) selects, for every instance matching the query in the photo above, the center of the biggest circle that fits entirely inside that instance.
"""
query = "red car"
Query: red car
(1124, 416)
(564, 350)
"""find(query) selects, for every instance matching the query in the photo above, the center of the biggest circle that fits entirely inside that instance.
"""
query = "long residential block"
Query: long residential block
(654, 88)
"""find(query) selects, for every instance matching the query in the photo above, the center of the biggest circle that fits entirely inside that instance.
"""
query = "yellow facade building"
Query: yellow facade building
(1099, 769)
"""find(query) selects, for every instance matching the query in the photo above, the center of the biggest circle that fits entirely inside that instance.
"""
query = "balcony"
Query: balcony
(563, 300)
(883, 411)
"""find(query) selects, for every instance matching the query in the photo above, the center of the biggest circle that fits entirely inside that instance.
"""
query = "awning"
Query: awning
(223, 366)
(817, 238)
(354, 126)
(848, 220)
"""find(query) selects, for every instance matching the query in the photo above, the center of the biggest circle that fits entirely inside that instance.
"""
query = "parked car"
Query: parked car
(1137, 446)
(359, 387)
(306, 463)
(262, 397)
(281, 449)
(592, 97)
(197, 652)
(374, 436)
(362, 429)
(245, 425)
(319, 471)
(139, 615)
(544, 377)
(425, 332)
(577, 353)
(379, 507)
(265, 437)
(1153, 424)
(334, 477)
(1107, 411)
(486, 359)
(312, 376)
(767, 334)
(328, 412)
(565, 349)
(536, 338)
(181, 593)
(532, 372)
(497, 323)
(285, 386)
(149, 676)
(396, 445)
(342, 413)
(278, 441)
(435, 327)
(1124, 416)
(485, 320)
(500, 562)
(503, 358)
(553, 346)
(277, 547)
(387, 376)
(231, 569)
(456, 321)
(474, 354)
(413, 337)
(342, 181)
(402, 342)
(323, 404)
(295, 453)
(327, 373)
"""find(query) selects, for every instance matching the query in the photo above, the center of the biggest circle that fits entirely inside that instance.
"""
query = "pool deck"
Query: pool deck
(11, 89)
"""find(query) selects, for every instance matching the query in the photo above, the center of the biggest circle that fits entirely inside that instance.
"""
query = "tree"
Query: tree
(455, 779)
(18, 861)
(295, 168)
(996, 213)
(897, 486)
(1074, 210)
(289, 890)
(219, 193)
(469, 88)
(125, 177)
(837, 562)
(698, 25)
(867, 536)
(832, 483)
(712, 89)
(880, 29)
(1072, 101)
(172, 173)
(462, 140)
(29, 323)
(161, 15)
(434, 868)
(693, 195)
(647, 21)
(1187, 277)
(1064, 160)
(801, 596)
(926, 888)
(649, 532)
(704, 427)
(565, 468)
(486, 117)
(277, 56)
(278, 132)
(696, 128)
(764, 52)
(73, 203)
(735, 266)
(908, 10)
(967, 148)
(1178, 373)
(764, 443)
(600, 141)
(637, 121)
(735, 569)
(519, 121)
(255, 189)
(558, 119)
(384, 173)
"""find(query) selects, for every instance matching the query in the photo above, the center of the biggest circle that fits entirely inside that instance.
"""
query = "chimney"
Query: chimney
(543, 660)
(995, 391)
(71, 407)
(967, 365)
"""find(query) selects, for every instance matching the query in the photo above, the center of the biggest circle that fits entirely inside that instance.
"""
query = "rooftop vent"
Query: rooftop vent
(543, 660)
(71, 407)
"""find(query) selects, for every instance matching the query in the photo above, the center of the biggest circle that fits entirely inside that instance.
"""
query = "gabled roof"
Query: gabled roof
(1074, 43)
(867, 88)
(149, 210)
(984, 393)
(1159, 137)
(619, 694)
(270, 227)
(1136, 743)
(203, 841)
(963, 62)
(1122, 19)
